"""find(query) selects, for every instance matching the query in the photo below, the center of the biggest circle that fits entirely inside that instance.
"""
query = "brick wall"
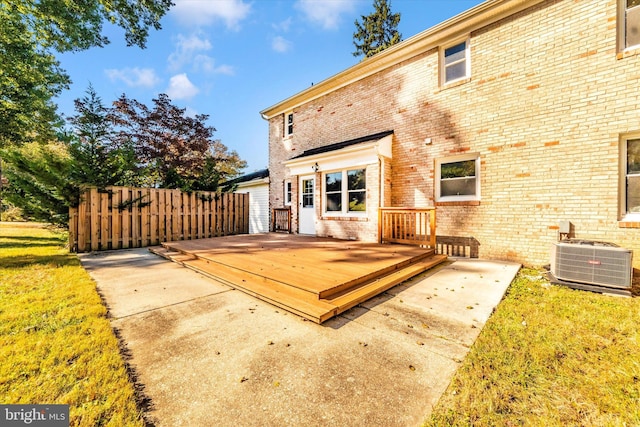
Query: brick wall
(545, 106)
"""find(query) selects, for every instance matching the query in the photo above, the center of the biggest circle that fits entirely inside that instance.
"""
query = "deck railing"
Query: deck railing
(413, 226)
(281, 220)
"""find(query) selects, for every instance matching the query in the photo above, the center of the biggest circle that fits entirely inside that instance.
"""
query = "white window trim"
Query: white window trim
(288, 134)
(467, 58)
(287, 201)
(622, 192)
(622, 28)
(345, 194)
(453, 159)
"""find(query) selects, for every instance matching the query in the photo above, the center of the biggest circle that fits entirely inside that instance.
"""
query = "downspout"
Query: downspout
(380, 195)
(381, 181)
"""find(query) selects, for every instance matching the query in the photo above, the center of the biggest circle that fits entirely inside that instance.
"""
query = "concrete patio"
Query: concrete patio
(207, 354)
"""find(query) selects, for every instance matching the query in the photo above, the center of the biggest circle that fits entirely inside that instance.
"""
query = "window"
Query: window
(629, 24)
(630, 193)
(356, 190)
(333, 191)
(341, 198)
(288, 124)
(287, 193)
(455, 62)
(307, 193)
(458, 178)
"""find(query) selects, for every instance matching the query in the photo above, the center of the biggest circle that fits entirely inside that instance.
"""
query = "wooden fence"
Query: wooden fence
(414, 226)
(126, 217)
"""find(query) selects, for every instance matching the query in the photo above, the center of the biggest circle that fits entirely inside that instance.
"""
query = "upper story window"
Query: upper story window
(455, 62)
(288, 124)
(630, 179)
(629, 24)
(458, 178)
(345, 191)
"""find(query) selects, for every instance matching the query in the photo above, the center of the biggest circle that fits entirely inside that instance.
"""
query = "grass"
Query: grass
(550, 356)
(56, 343)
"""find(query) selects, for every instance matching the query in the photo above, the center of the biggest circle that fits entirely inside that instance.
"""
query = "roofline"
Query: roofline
(464, 23)
(252, 183)
(342, 145)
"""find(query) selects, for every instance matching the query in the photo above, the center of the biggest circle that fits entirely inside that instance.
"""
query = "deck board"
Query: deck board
(316, 278)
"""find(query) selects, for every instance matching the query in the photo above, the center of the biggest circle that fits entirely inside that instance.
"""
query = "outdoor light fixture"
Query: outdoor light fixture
(315, 167)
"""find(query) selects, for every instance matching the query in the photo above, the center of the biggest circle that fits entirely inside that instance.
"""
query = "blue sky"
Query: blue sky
(231, 59)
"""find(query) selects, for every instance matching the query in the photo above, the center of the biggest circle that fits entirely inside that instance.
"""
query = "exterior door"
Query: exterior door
(307, 210)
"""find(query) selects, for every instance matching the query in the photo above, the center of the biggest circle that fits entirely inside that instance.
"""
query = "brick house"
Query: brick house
(509, 118)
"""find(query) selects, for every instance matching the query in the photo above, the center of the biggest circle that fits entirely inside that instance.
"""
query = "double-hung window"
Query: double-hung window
(629, 24)
(288, 124)
(455, 62)
(345, 191)
(630, 180)
(287, 193)
(458, 178)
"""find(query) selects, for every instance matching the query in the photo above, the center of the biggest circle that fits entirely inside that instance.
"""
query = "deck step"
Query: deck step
(283, 279)
(352, 297)
(170, 254)
(367, 278)
(298, 301)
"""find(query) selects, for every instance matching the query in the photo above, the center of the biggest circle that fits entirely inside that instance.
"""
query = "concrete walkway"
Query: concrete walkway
(210, 355)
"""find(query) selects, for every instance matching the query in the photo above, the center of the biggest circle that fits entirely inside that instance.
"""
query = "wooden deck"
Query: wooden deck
(316, 278)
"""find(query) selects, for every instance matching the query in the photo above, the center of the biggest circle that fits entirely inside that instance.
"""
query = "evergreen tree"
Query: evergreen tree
(38, 181)
(377, 31)
(89, 144)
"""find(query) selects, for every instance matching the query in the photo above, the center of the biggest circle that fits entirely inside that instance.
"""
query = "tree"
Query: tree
(172, 149)
(33, 31)
(38, 181)
(30, 78)
(129, 144)
(93, 163)
(377, 31)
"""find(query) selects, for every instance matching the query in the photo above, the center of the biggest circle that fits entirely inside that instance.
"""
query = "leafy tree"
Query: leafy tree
(172, 149)
(38, 181)
(129, 144)
(30, 78)
(377, 31)
(31, 32)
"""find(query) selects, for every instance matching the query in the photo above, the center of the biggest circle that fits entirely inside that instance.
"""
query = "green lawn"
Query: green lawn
(550, 356)
(56, 343)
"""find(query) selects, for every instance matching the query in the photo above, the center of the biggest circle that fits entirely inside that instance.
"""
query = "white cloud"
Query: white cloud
(280, 44)
(134, 77)
(207, 64)
(201, 12)
(186, 48)
(327, 13)
(180, 87)
(283, 25)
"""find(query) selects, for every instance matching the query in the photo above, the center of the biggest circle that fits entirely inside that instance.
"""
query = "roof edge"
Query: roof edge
(472, 19)
(342, 144)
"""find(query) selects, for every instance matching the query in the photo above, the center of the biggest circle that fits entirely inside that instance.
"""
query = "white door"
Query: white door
(307, 210)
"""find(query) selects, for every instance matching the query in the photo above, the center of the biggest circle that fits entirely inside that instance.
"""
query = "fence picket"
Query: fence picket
(116, 238)
(126, 217)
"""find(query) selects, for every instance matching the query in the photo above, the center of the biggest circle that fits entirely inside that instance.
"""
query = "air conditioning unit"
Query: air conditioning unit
(593, 263)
